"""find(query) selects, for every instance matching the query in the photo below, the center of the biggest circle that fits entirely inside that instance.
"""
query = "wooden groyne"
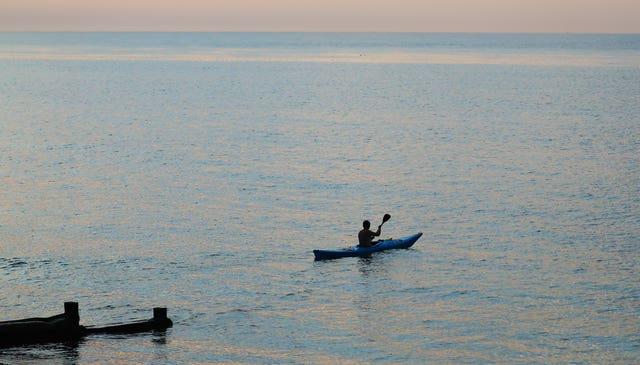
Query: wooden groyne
(66, 327)
(159, 322)
(61, 327)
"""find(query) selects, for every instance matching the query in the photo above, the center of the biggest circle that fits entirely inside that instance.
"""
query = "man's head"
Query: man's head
(366, 224)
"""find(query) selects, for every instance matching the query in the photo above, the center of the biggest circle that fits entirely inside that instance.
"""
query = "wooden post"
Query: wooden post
(72, 313)
(159, 314)
(160, 319)
(71, 309)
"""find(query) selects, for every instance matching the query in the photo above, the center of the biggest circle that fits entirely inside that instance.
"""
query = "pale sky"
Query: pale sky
(558, 16)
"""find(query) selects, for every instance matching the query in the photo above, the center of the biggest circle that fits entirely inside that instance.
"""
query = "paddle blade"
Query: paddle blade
(386, 218)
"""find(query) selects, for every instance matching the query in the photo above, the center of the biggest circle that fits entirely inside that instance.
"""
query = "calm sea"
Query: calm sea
(197, 171)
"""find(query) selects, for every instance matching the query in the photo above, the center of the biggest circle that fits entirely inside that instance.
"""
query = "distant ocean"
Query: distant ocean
(198, 171)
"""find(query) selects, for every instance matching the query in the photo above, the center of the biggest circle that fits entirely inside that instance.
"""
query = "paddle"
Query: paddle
(385, 218)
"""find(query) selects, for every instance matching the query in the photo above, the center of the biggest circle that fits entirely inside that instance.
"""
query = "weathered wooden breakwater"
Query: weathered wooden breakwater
(66, 327)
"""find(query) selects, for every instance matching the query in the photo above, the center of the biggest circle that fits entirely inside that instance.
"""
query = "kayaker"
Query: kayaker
(365, 236)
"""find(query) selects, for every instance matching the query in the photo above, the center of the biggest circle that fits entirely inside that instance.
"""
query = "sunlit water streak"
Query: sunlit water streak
(583, 59)
(143, 170)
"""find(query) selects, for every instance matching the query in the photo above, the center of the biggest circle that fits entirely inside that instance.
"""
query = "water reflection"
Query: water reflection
(72, 352)
(372, 266)
(65, 353)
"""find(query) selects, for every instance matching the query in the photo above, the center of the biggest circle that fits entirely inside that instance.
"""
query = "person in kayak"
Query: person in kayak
(365, 236)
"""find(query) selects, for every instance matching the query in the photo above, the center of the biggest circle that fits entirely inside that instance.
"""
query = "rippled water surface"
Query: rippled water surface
(199, 171)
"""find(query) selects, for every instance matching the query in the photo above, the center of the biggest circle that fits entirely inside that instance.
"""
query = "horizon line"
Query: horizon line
(315, 32)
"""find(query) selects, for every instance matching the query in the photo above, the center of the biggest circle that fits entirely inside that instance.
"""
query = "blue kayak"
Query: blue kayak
(366, 251)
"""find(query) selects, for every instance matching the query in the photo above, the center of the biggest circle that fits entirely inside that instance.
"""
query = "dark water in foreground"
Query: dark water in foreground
(199, 171)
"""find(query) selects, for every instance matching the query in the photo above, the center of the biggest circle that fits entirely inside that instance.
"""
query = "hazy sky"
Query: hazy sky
(580, 16)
